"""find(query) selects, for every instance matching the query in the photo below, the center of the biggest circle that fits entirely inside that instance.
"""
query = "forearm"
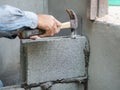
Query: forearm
(12, 18)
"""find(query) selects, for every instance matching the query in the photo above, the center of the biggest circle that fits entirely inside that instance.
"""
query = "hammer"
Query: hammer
(72, 24)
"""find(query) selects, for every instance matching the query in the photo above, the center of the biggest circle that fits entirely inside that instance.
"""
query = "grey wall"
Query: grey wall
(10, 49)
(104, 66)
(57, 8)
(9, 60)
(29, 5)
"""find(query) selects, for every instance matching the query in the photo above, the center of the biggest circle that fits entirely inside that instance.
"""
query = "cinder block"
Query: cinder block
(70, 86)
(36, 88)
(14, 87)
(53, 58)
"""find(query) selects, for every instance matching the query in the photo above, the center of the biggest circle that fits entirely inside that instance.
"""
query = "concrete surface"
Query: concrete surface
(70, 86)
(10, 49)
(14, 87)
(36, 88)
(104, 65)
(54, 58)
(10, 64)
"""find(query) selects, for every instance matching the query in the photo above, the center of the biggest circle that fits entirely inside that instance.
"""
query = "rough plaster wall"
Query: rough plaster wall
(104, 66)
(10, 49)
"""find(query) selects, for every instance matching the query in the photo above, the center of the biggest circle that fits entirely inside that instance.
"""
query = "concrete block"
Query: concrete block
(15, 87)
(70, 86)
(36, 88)
(53, 58)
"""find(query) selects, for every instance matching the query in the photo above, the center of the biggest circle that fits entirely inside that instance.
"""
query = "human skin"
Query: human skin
(48, 23)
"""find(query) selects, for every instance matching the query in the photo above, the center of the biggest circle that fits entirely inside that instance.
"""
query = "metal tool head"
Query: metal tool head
(73, 21)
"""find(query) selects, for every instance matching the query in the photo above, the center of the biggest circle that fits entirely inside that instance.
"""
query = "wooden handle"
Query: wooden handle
(65, 25)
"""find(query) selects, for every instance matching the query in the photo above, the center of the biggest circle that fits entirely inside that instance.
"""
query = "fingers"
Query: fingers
(19, 35)
(48, 33)
(34, 37)
(57, 26)
(48, 23)
(58, 23)
(52, 31)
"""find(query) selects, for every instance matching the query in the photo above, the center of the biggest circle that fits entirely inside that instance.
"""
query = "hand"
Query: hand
(48, 23)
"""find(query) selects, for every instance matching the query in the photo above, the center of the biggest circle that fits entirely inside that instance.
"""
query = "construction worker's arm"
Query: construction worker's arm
(12, 18)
